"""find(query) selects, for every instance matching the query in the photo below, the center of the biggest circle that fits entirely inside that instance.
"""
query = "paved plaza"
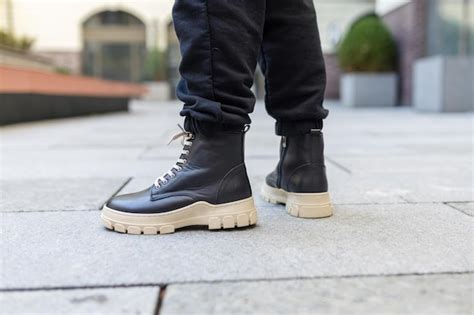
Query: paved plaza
(400, 240)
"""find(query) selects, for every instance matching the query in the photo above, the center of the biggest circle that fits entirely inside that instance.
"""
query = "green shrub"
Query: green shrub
(368, 46)
(62, 70)
(155, 65)
(21, 43)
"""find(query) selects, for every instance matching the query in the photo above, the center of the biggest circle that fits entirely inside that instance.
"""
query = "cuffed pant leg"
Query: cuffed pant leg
(292, 62)
(220, 42)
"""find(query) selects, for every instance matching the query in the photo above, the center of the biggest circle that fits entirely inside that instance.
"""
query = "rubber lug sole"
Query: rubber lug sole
(303, 205)
(230, 215)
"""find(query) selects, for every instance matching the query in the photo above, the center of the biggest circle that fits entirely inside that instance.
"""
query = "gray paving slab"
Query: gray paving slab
(138, 127)
(466, 207)
(396, 121)
(407, 164)
(81, 301)
(344, 187)
(57, 194)
(419, 179)
(57, 249)
(262, 144)
(376, 144)
(163, 150)
(138, 183)
(73, 132)
(69, 154)
(439, 187)
(352, 190)
(428, 294)
(46, 133)
(77, 167)
(396, 132)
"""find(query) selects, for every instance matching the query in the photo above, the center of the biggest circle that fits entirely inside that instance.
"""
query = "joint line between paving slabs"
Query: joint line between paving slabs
(450, 204)
(269, 206)
(233, 281)
(161, 297)
(338, 165)
(409, 201)
(119, 189)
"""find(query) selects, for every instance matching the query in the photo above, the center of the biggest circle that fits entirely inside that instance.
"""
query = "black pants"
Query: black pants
(221, 42)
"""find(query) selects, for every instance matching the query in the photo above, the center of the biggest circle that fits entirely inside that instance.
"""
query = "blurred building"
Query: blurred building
(421, 28)
(115, 39)
(173, 58)
(334, 18)
(15, 50)
(424, 28)
(24, 59)
(6, 15)
(114, 46)
(64, 61)
(81, 36)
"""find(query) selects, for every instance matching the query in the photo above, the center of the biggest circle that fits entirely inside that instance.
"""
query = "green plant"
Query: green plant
(62, 70)
(155, 65)
(25, 43)
(21, 43)
(368, 46)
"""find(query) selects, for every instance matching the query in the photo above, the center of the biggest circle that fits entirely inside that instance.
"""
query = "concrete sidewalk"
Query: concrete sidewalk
(400, 240)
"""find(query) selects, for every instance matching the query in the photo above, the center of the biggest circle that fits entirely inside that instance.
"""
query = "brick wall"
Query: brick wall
(408, 26)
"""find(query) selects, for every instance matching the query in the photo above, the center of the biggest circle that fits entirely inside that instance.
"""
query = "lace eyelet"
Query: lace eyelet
(187, 142)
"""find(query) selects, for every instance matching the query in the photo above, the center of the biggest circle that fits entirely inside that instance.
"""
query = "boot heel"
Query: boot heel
(309, 205)
(273, 195)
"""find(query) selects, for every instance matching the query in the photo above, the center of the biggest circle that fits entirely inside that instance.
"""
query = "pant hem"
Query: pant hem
(208, 128)
(297, 127)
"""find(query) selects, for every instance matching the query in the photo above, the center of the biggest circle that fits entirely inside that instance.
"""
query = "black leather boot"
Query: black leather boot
(299, 181)
(208, 186)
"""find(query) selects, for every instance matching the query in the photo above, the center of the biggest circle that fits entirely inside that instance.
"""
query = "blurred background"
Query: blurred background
(135, 42)
(398, 149)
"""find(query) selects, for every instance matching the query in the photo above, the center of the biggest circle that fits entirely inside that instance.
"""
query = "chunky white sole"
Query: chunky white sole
(303, 205)
(227, 216)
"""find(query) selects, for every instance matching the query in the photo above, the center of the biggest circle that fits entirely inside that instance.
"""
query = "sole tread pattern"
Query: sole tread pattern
(302, 205)
(269, 199)
(214, 223)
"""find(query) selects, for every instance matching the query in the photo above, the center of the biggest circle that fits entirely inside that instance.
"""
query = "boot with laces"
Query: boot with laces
(299, 180)
(207, 186)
